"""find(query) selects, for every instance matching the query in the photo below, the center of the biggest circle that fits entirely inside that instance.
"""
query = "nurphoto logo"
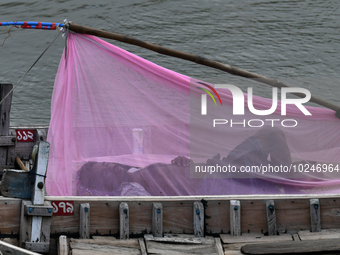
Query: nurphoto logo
(238, 104)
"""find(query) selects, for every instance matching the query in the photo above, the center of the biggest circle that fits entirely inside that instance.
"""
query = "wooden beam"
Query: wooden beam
(219, 246)
(38, 210)
(271, 217)
(38, 190)
(157, 219)
(7, 141)
(235, 218)
(142, 246)
(124, 221)
(309, 247)
(315, 220)
(198, 219)
(9, 249)
(191, 198)
(5, 109)
(62, 247)
(84, 221)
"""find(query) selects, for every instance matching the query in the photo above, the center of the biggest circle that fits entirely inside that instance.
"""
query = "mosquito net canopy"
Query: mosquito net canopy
(121, 125)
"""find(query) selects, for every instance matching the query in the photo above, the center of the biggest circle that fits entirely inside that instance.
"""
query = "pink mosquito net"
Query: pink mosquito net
(119, 123)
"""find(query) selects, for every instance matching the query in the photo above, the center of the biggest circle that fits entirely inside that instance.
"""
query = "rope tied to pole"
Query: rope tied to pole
(29, 69)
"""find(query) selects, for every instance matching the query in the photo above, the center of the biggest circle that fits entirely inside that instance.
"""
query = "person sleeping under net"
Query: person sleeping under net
(268, 145)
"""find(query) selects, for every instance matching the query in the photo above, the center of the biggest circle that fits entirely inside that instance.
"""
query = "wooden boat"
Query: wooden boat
(214, 224)
(149, 225)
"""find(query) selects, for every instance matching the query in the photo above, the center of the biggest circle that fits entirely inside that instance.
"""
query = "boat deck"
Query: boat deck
(250, 243)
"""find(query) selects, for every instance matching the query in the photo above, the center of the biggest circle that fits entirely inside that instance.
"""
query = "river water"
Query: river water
(295, 41)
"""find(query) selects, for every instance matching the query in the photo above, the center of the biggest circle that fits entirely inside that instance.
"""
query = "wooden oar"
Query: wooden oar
(196, 59)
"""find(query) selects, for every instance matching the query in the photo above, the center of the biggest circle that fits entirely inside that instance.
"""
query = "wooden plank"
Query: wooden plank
(180, 239)
(124, 221)
(46, 225)
(40, 134)
(291, 215)
(38, 190)
(38, 210)
(217, 217)
(219, 247)
(108, 238)
(315, 220)
(84, 221)
(6, 248)
(198, 215)
(142, 246)
(262, 198)
(39, 247)
(271, 217)
(235, 218)
(233, 253)
(5, 109)
(292, 247)
(324, 234)
(6, 141)
(129, 243)
(62, 247)
(25, 224)
(157, 219)
(96, 249)
(296, 237)
(171, 248)
(254, 238)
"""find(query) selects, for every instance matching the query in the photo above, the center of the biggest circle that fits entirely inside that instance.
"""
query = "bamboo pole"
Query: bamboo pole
(196, 59)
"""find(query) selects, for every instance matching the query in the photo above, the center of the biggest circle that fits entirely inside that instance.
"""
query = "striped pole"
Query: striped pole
(33, 25)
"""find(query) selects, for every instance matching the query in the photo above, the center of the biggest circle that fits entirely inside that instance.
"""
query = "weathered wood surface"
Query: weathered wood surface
(315, 220)
(40, 227)
(254, 238)
(292, 247)
(24, 150)
(142, 246)
(62, 246)
(271, 217)
(180, 244)
(234, 243)
(219, 246)
(25, 224)
(84, 221)
(9, 249)
(130, 243)
(124, 221)
(26, 227)
(163, 248)
(324, 234)
(6, 141)
(109, 238)
(198, 215)
(85, 248)
(180, 239)
(292, 214)
(296, 237)
(39, 210)
(5, 108)
(235, 218)
(157, 219)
